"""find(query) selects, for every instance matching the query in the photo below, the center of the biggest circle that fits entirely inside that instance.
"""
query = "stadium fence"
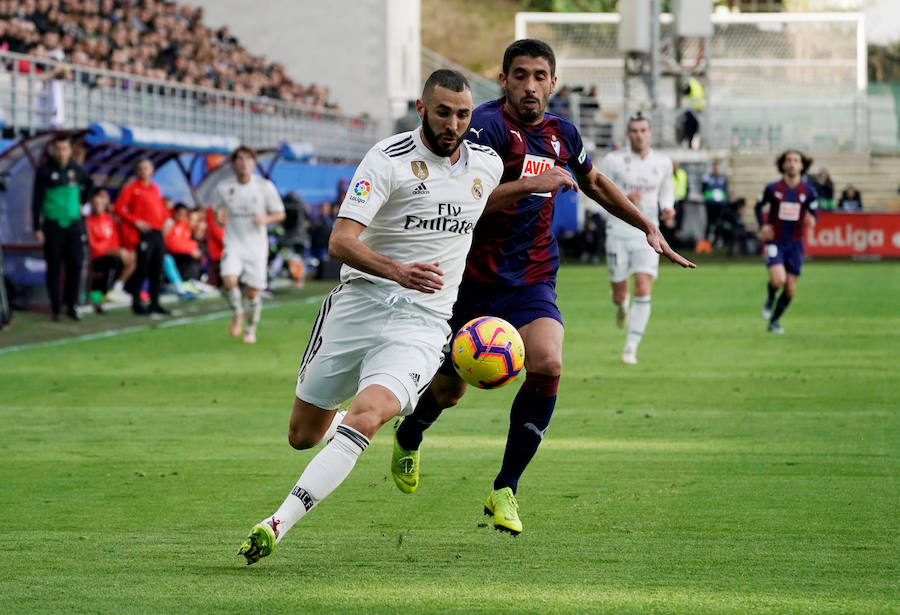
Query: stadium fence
(773, 79)
(39, 94)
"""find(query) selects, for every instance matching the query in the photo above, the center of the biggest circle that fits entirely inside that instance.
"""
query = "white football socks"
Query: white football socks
(254, 308)
(332, 429)
(638, 316)
(324, 473)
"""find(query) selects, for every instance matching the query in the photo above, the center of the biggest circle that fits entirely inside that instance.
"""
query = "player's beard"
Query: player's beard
(434, 140)
(530, 116)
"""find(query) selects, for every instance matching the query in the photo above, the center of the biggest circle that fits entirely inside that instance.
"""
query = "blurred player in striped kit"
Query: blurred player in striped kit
(511, 269)
(791, 203)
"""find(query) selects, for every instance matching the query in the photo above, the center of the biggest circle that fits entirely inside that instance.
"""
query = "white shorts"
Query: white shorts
(359, 340)
(627, 256)
(249, 267)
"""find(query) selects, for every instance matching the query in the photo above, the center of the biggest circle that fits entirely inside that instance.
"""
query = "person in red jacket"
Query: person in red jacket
(215, 241)
(141, 205)
(108, 258)
(181, 244)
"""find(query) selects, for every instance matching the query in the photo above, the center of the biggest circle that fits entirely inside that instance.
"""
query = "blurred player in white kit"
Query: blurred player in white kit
(645, 176)
(251, 203)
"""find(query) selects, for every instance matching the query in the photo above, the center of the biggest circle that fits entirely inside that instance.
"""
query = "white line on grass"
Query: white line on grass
(175, 322)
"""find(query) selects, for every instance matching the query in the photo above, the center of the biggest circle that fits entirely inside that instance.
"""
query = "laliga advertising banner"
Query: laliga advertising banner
(860, 234)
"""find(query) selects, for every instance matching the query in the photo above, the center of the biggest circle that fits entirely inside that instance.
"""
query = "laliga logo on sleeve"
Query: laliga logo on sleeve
(360, 192)
(361, 188)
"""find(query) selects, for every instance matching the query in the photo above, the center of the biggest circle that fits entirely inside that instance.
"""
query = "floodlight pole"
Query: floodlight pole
(653, 86)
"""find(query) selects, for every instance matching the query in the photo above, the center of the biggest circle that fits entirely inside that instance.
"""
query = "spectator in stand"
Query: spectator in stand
(559, 104)
(60, 187)
(151, 39)
(215, 239)
(181, 244)
(320, 233)
(141, 205)
(824, 188)
(715, 197)
(592, 238)
(680, 192)
(851, 200)
(109, 260)
(197, 220)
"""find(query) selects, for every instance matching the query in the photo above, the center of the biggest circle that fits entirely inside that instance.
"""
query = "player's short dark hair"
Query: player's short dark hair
(446, 78)
(532, 48)
(639, 117)
(807, 161)
(243, 148)
(179, 206)
(60, 137)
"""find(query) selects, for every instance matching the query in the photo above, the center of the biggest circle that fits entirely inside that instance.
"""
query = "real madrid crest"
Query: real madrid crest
(477, 189)
(419, 169)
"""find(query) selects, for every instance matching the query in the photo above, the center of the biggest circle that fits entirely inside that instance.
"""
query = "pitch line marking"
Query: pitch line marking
(175, 322)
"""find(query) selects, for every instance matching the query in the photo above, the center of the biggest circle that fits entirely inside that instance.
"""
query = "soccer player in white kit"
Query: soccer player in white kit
(403, 233)
(645, 176)
(251, 204)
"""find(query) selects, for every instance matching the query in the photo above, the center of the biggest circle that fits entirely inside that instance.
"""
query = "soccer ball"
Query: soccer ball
(487, 352)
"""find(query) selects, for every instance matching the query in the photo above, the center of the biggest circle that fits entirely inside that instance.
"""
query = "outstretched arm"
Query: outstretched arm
(549, 181)
(345, 246)
(601, 189)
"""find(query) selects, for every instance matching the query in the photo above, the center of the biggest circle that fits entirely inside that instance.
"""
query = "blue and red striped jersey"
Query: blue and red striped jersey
(515, 246)
(787, 208)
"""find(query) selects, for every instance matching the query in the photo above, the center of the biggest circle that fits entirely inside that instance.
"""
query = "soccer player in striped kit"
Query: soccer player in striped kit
(791, 204)
(511, 270)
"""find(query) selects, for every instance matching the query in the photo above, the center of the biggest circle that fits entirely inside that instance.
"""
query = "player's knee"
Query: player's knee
(449, 394)
(548, 364)
(302, 440)
(371, 409)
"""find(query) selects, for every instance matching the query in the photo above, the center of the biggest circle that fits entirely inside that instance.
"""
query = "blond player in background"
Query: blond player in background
(645, 176)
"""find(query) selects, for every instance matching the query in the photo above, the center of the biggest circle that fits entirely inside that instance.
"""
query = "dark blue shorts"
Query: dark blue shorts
(787, 253)
(518, 305)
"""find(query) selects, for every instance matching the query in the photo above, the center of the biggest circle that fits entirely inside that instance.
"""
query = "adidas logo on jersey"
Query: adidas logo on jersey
(421, 189)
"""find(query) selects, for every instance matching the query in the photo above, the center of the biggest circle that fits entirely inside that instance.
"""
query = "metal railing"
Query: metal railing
(40, 93)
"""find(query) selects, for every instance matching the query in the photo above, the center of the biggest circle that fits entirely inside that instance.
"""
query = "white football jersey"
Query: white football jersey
(242, 202)
(417, 208)
(652, 175)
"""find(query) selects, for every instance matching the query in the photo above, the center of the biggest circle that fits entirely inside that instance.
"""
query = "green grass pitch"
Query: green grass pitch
(731, 471)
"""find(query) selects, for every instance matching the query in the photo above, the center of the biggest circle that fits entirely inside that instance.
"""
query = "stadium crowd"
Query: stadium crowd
(154, 39)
